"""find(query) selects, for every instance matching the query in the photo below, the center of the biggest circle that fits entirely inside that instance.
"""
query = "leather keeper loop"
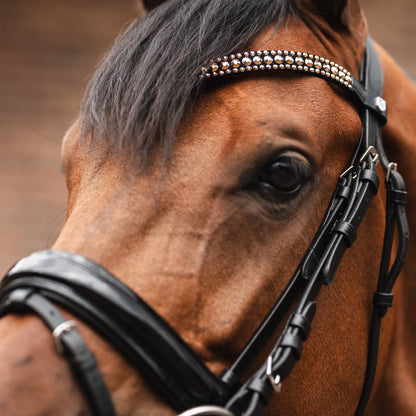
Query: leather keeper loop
(398, 197)
(369, 175)
(344, 192)
(293, 341)
(346, 229)
(382, 301)
(300, 321)
(263, 388)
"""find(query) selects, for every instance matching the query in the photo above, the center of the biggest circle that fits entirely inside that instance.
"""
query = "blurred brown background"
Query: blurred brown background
(48, 50)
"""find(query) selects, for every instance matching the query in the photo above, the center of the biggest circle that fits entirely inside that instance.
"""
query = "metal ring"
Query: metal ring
(207, 411)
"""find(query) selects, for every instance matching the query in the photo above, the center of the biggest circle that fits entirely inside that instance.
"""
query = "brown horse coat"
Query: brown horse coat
(211, 258)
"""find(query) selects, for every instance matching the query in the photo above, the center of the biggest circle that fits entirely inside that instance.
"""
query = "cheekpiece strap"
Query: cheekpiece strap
(337, 232)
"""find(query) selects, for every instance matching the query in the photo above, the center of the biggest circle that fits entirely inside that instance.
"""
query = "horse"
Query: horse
(202, 190)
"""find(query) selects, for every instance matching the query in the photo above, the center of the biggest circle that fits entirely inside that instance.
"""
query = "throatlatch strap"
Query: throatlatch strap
(383, 298)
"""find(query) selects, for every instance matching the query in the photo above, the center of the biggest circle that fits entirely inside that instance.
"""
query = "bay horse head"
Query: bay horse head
(218, 142)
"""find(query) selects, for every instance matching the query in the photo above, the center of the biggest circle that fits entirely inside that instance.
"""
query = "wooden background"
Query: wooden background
(48, 50)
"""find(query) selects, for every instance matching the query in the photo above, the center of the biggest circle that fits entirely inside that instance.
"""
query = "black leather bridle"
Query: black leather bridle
(85, 289)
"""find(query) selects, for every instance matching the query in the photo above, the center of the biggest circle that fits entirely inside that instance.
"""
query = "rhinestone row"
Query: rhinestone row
(277, 60)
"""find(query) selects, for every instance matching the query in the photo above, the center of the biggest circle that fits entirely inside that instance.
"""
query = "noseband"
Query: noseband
(85, 289)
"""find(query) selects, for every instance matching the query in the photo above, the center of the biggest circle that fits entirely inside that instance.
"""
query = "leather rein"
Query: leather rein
(89, 292)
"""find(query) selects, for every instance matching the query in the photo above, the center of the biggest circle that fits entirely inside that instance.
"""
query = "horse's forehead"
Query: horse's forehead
(245, 110)
(248, 115)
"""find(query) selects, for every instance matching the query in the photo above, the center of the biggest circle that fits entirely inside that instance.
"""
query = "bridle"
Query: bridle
(89, 292)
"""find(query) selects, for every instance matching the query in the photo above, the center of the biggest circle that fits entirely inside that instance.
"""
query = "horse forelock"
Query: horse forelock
(150, 77)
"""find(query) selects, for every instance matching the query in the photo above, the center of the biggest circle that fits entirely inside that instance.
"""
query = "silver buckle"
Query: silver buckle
(347, 171)
(392, 167)
(374, 154)
(274, 379)
(63, 328)
(370, 151)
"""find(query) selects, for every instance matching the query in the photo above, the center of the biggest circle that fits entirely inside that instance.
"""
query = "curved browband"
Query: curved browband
(271, 60)
(153, 347)
(277, 60)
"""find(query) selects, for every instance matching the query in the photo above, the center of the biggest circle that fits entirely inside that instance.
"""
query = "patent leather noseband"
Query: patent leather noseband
(45, 279)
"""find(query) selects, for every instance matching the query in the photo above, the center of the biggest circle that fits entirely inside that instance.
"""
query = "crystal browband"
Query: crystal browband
(270, 60)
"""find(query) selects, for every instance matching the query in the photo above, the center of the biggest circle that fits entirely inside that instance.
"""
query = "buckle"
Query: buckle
(374, 154)
(347, 171)
(274, 379)
(392, 167)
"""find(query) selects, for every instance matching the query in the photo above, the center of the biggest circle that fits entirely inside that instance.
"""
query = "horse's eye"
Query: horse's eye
(286, 175)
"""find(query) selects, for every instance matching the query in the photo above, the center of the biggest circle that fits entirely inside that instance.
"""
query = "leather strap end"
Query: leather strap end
(382, 301)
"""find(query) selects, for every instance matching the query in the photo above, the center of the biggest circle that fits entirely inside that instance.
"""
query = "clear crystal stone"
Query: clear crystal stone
(317, 64)
(225, 65)
(257, 60)
(246, 61)
(289, 59)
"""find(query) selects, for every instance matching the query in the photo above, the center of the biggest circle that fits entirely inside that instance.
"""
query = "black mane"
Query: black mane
(147, 81)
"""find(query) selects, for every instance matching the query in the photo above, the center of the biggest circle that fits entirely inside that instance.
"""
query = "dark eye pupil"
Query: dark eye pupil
(284, 175)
